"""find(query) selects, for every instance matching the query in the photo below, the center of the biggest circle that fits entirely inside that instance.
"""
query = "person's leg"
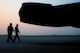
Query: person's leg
(8, 38)
(14, 38)
(18, 38)
(11, 36)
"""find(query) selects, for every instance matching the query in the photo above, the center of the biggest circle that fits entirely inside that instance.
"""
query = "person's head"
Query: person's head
(10, 24)
(17, 25)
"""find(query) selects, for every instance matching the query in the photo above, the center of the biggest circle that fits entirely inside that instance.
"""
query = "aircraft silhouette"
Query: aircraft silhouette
(49, 15)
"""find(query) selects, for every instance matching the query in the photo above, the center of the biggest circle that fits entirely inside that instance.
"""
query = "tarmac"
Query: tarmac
(35, 44)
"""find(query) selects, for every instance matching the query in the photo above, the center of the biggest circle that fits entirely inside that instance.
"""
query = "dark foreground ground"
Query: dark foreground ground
(30, 44)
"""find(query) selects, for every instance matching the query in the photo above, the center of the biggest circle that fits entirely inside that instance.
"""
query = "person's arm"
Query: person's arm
(7, 28)
(12, 29)
(18, 31)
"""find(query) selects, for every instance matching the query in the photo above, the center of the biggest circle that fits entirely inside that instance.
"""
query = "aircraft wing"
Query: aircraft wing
(49, 15)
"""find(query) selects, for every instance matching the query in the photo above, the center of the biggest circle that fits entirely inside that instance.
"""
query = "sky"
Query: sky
(9, 14)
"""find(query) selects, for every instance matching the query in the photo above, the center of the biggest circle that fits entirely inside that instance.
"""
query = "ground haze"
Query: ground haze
(41, 44)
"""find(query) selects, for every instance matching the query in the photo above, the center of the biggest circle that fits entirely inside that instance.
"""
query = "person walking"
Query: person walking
(10, 30)
(16, 33)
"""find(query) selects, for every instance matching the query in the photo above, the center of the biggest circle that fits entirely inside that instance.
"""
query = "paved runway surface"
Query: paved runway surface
(41, 45)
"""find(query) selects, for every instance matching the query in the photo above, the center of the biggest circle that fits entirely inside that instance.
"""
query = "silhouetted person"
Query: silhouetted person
(10, 30)
(16, 33)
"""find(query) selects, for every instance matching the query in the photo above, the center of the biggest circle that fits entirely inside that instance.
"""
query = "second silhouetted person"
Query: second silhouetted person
(16, 33)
